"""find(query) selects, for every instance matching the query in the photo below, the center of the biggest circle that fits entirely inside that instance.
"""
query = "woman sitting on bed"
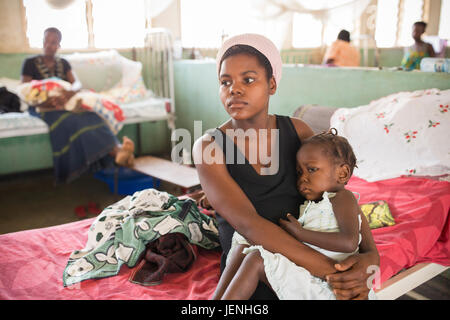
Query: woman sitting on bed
(248, 196)
(81, 140)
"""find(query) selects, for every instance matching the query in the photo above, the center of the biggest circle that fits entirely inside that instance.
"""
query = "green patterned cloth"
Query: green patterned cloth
(412, 58)
(121, 232)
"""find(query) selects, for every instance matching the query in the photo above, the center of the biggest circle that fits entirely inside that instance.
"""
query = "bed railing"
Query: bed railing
(157, 59)
(157, 68)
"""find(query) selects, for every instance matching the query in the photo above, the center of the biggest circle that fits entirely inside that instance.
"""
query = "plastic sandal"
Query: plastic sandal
(93, 209)
(80, 212)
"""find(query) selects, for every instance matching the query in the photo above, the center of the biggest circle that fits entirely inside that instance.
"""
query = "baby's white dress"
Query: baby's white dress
(289, 281)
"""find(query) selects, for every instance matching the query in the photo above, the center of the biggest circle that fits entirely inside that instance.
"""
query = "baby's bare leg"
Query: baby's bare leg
(230, 270)
(244, 283)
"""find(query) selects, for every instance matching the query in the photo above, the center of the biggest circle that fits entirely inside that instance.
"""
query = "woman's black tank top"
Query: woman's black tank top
(273, 196)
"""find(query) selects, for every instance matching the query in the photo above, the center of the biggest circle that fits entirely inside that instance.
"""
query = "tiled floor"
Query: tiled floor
(30, 201)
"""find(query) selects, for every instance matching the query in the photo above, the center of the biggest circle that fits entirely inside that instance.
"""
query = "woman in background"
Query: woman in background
(341, 53)
(80, 141)
(419, 50)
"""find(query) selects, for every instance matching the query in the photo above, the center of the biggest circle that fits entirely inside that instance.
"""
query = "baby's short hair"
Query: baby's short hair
(335, 146)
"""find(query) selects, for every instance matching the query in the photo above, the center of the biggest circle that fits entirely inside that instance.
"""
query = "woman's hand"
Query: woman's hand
(291, 225)
(52, 104)
(58, 102)
(352, 279)
(200, 199)
(66, 95)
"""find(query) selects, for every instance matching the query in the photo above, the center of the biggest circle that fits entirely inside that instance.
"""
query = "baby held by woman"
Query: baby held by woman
(329, 222)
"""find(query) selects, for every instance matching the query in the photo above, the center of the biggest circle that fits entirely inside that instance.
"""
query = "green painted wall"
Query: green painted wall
(197, 98)
(388, 57)
(11, 64)
(197, 89)
(339, 87)
(26, 153)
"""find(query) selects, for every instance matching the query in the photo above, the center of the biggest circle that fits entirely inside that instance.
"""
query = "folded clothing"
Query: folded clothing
(121, 233)
(171, 253)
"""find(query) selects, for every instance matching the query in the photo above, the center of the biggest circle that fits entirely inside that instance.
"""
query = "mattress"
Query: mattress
(16, 124)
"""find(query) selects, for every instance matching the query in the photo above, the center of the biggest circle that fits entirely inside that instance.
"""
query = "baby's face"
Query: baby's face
(316, 172)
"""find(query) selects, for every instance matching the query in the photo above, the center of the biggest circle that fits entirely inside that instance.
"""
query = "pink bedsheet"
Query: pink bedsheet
(420, 208)
(32, 262)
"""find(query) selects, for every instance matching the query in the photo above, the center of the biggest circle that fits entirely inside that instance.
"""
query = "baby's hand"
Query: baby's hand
(291, 225)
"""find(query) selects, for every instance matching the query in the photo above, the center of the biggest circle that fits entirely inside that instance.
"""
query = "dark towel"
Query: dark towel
(170, 253)
(9, 101)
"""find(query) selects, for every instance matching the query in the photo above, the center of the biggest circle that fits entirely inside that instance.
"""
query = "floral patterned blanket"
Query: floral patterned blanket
(402, 134)
(38, 91)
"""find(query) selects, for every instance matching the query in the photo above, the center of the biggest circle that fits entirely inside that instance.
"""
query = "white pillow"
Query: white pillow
(405, 133)
(97, 71)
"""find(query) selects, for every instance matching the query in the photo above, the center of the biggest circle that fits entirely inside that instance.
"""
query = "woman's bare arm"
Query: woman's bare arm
(52, 103)
(73, 79)
(25, 78)
(57, 102)
(430, 50)
(302, 129)
(351, 280)
(227, 197)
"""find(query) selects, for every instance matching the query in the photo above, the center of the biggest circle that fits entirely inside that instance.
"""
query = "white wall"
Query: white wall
(12, 27)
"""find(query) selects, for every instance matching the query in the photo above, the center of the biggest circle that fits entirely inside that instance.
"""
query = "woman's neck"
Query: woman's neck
(263, 121)
(419, 42)
(48, 58)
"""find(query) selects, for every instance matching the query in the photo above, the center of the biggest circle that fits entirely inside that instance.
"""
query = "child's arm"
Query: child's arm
(346, 240)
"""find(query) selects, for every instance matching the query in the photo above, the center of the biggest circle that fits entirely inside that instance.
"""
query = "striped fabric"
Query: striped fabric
(80, 142)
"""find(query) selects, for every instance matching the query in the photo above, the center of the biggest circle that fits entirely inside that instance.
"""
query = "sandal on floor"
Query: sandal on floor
(93, 208)
(81, 212)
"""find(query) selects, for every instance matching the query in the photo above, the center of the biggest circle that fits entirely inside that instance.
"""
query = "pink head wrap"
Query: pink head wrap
(260, 43)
